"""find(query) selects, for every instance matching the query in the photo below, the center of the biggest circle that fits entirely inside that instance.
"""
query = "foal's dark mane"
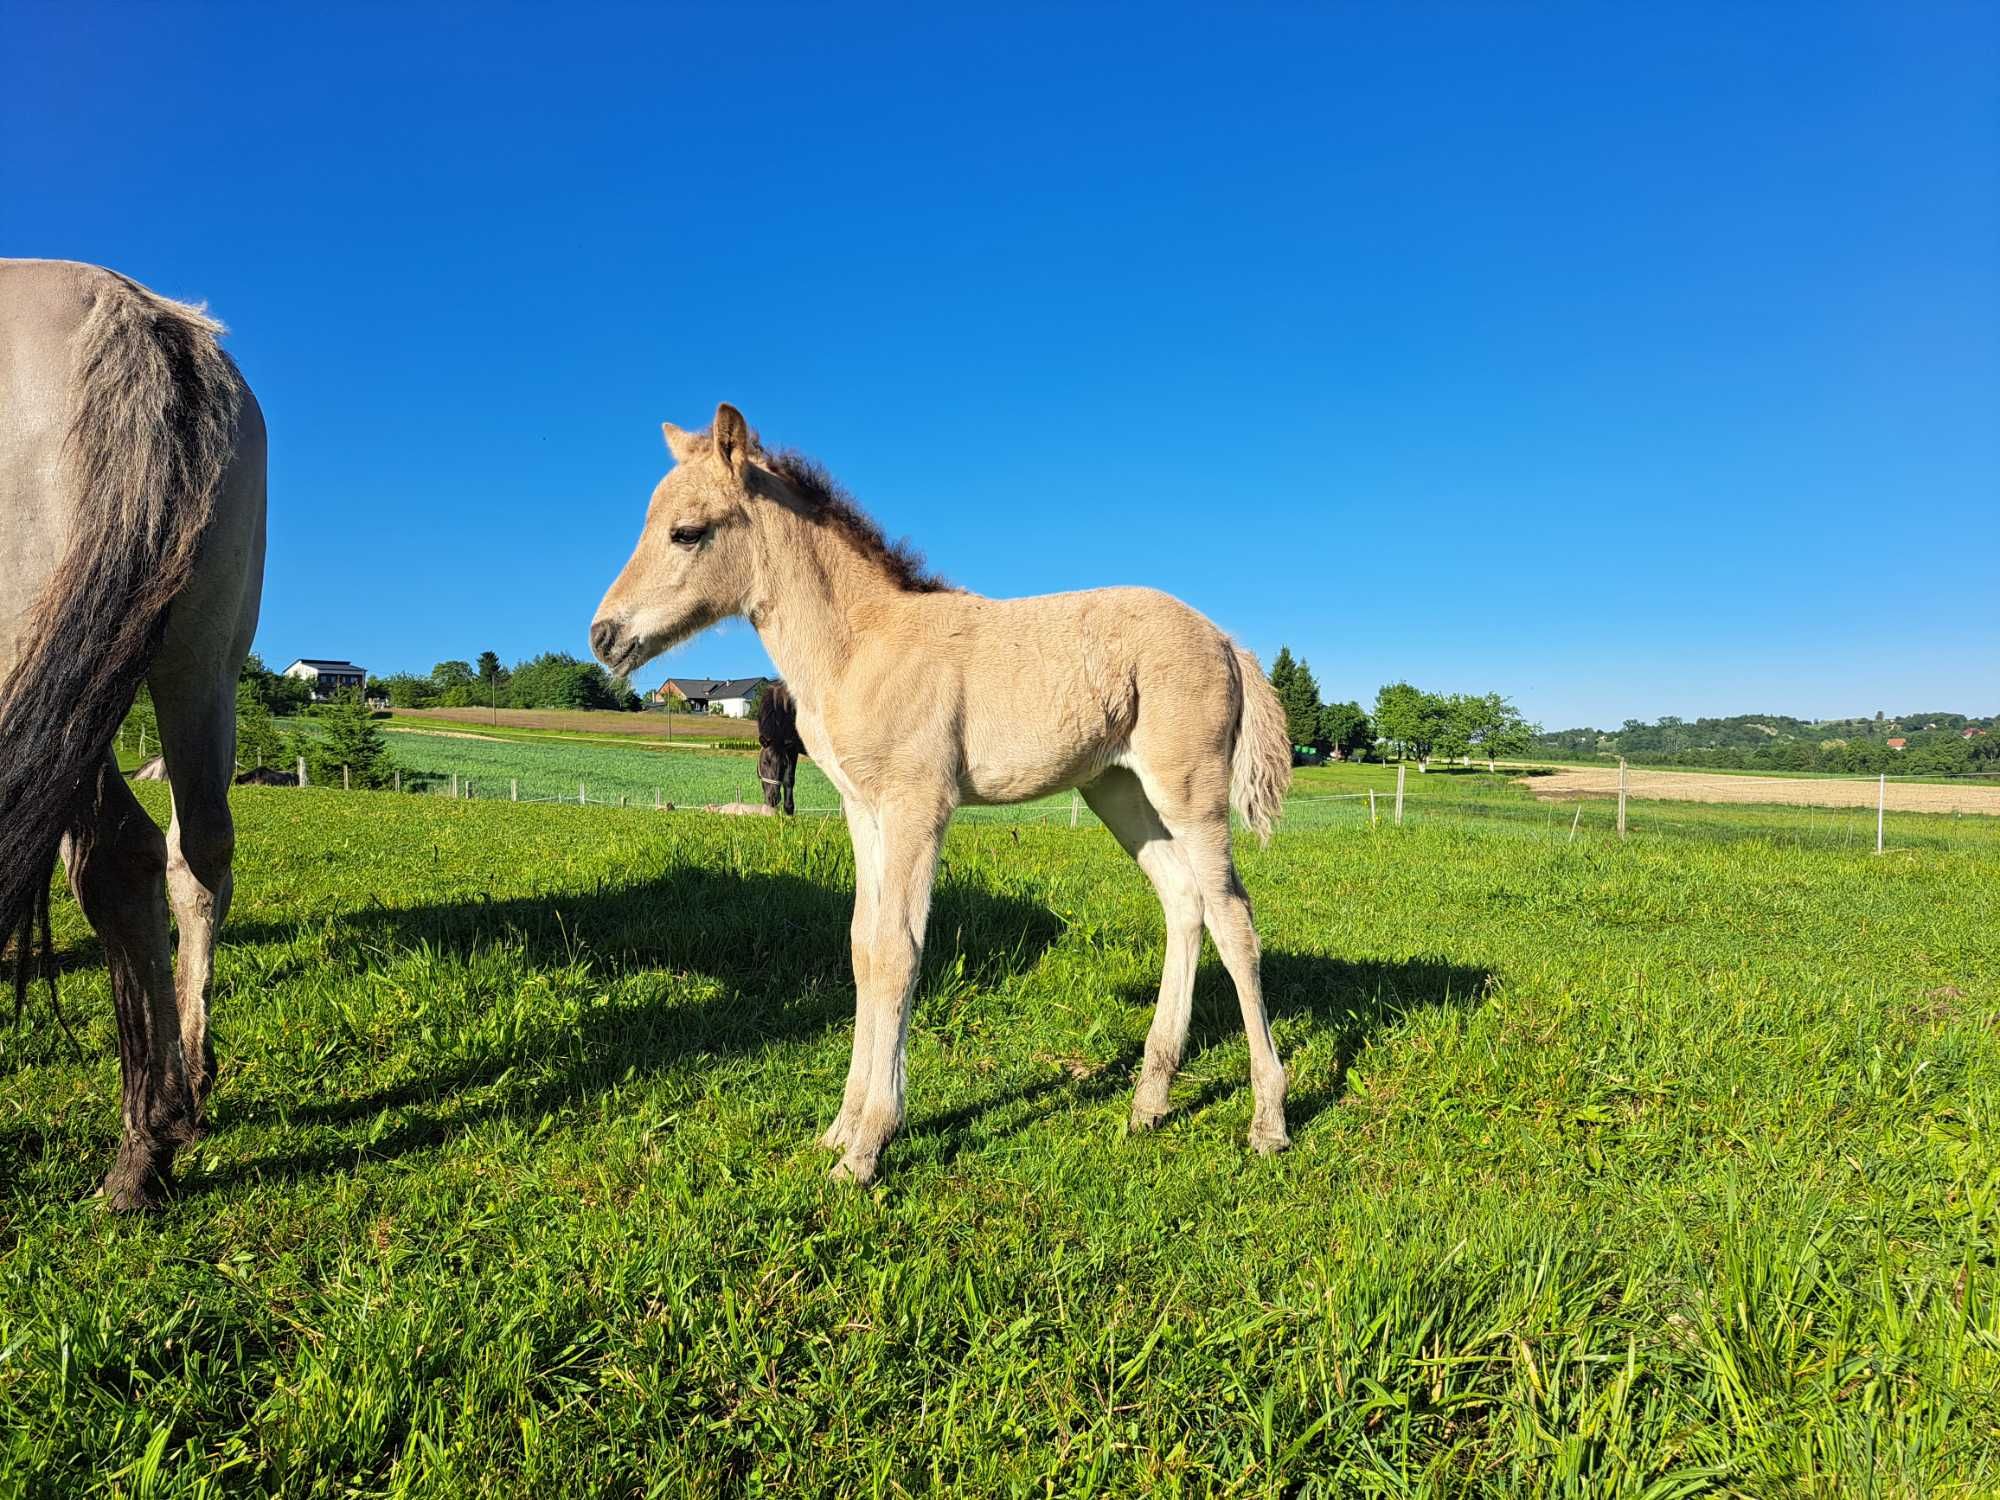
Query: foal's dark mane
(829, 504)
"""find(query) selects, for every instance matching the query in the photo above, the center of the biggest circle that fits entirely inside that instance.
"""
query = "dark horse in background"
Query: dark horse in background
(780, 745)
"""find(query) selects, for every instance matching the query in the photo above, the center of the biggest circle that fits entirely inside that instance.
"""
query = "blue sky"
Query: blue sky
(1626, 360)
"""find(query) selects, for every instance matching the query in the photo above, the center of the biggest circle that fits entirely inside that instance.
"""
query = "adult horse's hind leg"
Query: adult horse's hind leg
(116, 859)
(198, 737)
(1118, 799)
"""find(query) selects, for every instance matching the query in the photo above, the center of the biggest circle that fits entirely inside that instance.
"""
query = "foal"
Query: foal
(914, 698)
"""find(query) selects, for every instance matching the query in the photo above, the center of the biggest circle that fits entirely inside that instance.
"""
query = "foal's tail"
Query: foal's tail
(1260, 768)
(150, 439)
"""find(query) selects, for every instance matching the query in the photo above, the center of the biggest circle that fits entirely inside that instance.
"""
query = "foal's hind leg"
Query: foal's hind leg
(116, 858)
(1226, 908)
(1118, 799)
(198, 737)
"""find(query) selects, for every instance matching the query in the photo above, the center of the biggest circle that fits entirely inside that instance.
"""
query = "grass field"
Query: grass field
(648, 725)
(1665, 1168)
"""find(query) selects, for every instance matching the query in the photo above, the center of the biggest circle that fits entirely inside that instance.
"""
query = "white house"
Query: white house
(327, 677)
(733, 696)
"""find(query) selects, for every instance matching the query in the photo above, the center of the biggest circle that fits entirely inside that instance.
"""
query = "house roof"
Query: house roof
(713, 687)
(324, 664)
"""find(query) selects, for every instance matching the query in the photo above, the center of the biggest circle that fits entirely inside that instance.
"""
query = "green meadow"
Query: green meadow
(1662, 1168)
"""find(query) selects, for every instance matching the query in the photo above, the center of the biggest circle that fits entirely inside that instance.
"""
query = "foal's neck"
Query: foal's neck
(814, 582)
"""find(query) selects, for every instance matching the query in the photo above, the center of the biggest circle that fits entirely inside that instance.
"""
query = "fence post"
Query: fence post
(656, 799)
(1576, 820)
(581, 800)
(454, 786)
(1400, 769)
(621, 799)
(346, 781)
(513, 789)
(1371, 807)
(1073, 800)
(302, 770)
(399, 781)
(1621, 796)
(1881, 804)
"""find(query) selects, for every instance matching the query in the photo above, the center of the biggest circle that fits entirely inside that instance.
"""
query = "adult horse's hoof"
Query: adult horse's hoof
(857, 1171)
(129, 1193)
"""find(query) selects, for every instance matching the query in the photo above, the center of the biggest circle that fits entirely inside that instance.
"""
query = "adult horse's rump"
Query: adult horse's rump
(131, 550)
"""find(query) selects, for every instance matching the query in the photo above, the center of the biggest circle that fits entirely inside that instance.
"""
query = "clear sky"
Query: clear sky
(1629, 360)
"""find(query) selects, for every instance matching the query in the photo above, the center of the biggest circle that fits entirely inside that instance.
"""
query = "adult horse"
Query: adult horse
(131, 550)
(914, 698)
(778, 745)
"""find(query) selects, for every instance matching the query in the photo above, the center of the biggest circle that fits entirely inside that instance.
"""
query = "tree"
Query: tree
(1414, 719)
(1345, 729)
(350, 739)
(447, 675)
(1492, 725)
(489, 668)
(258, 742)
(1300, 696)
(557, 680)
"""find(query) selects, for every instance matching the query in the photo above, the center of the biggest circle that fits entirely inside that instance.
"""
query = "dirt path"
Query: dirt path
(1696, 786)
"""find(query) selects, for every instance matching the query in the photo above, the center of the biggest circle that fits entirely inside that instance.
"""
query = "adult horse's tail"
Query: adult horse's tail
(150, 439)
(1261, 768)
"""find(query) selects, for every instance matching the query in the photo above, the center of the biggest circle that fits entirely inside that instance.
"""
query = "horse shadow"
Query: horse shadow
(774, 946)
(1349, 1001)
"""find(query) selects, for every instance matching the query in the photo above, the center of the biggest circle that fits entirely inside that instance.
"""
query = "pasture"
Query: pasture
(1662, 1168)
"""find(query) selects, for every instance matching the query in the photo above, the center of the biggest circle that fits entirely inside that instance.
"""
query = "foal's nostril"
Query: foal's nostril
(604, 640)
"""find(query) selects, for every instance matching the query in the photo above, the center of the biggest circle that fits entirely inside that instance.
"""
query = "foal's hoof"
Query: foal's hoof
(1267, 1142)
(1144, 1119)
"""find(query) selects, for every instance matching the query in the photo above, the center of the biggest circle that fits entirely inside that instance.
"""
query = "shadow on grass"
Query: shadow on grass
(1348, 1001)
(775, 947)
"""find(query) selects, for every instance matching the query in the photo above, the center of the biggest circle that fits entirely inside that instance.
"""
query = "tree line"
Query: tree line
(1406, 721)
(555, 679)
(1932, 743)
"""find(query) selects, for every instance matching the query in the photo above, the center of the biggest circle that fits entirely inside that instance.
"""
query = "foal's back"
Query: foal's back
(1025, 697)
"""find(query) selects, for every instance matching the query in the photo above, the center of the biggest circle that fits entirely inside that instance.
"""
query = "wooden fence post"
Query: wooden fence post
(399, 781)
(302, 770)
(513, 789)
(1621, 796)
(1881, 806)
(346, 781)
(581, 800)
(1074, 801)
(1371, 807)
(1400, 769)
(454, 786)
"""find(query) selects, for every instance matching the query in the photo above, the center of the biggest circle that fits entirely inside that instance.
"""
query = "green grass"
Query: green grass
(1665, 1168)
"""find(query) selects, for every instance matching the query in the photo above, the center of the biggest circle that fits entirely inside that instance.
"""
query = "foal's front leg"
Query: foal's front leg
(909, 837)
(864, 830)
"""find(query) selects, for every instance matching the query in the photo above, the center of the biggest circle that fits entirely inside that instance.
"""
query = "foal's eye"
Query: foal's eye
(687, 536)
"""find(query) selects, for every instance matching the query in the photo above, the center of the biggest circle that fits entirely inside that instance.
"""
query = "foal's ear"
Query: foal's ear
(731, 436)
(679, 443)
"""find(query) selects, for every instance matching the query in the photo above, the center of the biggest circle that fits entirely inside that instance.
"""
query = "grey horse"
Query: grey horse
(131, 550)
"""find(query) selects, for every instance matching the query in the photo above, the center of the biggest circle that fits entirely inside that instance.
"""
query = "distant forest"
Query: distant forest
(1932, 743)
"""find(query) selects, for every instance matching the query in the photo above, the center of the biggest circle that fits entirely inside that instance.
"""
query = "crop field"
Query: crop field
(1967, 796)
(1663, 1168)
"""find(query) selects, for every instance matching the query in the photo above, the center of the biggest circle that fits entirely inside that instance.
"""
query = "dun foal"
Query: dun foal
(914, 698)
